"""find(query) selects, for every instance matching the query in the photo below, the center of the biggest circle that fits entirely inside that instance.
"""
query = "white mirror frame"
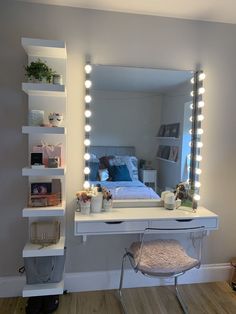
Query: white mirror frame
(196, 144)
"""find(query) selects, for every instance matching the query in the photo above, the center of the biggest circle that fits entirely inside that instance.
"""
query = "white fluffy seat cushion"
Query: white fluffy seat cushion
(162, 257)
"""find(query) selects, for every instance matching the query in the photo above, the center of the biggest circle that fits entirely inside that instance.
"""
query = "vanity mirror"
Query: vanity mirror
(142, 132)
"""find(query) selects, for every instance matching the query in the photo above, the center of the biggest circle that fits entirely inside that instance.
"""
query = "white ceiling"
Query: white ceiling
(203, 10)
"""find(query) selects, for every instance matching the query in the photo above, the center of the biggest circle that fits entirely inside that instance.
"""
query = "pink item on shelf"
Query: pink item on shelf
(49, 151)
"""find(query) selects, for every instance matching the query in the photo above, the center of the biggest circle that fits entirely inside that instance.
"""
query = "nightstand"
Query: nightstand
(149, 176)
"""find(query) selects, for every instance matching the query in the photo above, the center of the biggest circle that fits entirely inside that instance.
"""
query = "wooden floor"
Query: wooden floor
(210, 298)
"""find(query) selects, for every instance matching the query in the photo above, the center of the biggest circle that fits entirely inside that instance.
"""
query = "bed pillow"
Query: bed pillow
(119, 173)
(103, 174)
(93, 176)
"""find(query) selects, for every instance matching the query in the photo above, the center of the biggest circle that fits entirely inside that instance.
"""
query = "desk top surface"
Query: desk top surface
(145, 213)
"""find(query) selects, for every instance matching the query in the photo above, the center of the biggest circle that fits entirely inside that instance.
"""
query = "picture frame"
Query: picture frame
(174, 130)
(167, 130)
(161, 131)
(41, 188)
(163, 151)
(174, 151)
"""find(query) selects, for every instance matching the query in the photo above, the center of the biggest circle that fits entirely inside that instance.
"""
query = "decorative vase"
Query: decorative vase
(107, 205)
(96, 203)
(84, 207)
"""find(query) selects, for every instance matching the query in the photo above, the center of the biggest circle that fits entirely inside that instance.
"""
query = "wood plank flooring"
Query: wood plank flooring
(207, 298)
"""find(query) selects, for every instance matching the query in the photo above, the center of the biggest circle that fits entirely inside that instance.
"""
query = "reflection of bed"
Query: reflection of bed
(123, 190)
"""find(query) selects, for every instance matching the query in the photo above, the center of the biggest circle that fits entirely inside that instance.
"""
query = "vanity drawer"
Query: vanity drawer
(105, 227)
(208, 223)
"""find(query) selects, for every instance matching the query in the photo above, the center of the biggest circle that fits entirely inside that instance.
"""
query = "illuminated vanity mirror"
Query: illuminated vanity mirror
(139, 138)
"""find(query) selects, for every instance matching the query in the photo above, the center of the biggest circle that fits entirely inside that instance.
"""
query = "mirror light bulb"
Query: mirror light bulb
(200, 117)
(201, 76)
(191, 106)
(192, 93)
(196, 197)
(86, 170)
(201, 90)
(87, 128)
(198, 158)
(198, 171)
(86, 156)
(88, 83)
(86, 185)
(87, 99)
(200, 131)
(191, 119)
(88, 68)
(192, 80)
(197, 184)
(189, 156)
(87, 113)
(199, 144)
(87, 142)
(201, 104)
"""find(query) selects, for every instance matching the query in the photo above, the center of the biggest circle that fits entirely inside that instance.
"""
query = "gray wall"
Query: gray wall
(122, 39)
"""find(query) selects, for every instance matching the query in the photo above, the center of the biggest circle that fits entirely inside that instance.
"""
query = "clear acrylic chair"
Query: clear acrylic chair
(171, 255)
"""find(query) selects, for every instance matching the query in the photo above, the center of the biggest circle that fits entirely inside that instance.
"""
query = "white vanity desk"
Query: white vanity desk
(135, 220)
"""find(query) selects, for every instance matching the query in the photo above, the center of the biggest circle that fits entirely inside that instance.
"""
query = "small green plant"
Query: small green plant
(39, 70)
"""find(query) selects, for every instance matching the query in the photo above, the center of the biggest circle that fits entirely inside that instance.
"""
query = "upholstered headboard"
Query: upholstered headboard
(100, 151)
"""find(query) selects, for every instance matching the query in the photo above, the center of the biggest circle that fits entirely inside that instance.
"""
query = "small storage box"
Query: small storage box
(47, 269)
(45, 232)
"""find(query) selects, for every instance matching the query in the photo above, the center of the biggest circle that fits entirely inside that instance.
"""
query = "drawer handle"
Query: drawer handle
(113, 222)
(184, 220)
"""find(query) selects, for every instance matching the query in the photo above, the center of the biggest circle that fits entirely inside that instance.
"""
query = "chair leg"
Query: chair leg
(179, 297)
(121, 285)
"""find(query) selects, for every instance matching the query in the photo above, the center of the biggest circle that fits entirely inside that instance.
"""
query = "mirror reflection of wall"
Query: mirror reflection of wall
(129, 107)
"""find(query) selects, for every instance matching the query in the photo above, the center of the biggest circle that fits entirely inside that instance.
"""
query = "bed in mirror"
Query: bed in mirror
(139, 138)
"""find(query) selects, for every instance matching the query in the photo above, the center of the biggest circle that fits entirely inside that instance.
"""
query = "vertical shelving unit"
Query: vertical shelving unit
(49, 98)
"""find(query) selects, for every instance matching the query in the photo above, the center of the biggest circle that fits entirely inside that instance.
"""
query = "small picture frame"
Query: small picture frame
(174, 130)
(161, 131)
(41, 188)
(36, 159)
(167, 130)
(163, 151)
(173, 156)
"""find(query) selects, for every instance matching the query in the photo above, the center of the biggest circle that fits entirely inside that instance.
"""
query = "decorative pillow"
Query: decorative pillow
(130, 161)
(93, 176)
(103, 174)
(119, 173)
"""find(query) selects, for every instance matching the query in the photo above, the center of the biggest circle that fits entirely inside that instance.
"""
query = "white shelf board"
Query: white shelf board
(44, 48)
(43, 130)
(43, 289)
(168, 138)
(167, 160)
(47, 172)
(33, 250)
(41, 89)
(49, 211)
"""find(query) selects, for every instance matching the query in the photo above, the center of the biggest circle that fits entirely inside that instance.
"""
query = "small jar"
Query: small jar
(57, 79)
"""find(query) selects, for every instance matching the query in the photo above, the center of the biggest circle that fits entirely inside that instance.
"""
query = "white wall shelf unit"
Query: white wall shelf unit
(40, 89)
(167, 160)
(49, 211)
(43, 130)
(44, 172)
(43, 289)
(47, 98)
(33, 250)
(44, 48)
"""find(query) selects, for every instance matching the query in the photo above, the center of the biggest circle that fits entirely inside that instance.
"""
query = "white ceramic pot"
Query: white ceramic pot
(55, 119)
(96, 203)
(84, 207)
(107, 205)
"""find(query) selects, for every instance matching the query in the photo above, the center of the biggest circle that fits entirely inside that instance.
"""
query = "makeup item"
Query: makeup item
(53, 162)
(57, 79)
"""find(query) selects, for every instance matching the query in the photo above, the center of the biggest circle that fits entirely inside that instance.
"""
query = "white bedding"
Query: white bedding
(128, 189)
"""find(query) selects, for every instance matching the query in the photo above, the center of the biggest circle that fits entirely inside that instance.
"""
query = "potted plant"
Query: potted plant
(84, 201)
(39, 71)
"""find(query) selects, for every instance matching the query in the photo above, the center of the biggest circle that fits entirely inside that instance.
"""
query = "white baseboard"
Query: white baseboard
(105, 280)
